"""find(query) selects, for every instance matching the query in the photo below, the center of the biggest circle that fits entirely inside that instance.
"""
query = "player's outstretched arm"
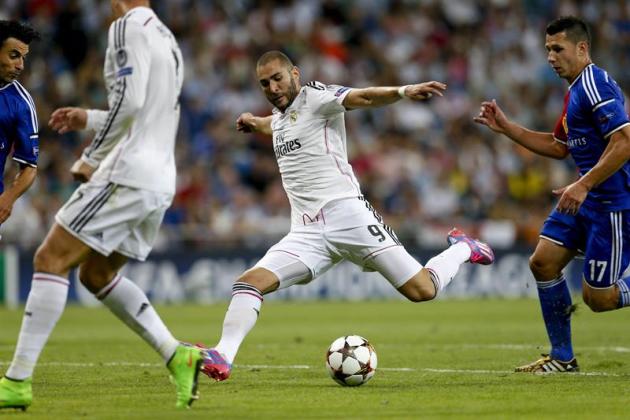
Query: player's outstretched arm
(247, 123)
(373, 97)
(492, 116)
(23, 180)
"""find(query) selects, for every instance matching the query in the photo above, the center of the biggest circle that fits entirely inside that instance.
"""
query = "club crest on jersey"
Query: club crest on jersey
(293, 116)
(121, 57)
(565, 124)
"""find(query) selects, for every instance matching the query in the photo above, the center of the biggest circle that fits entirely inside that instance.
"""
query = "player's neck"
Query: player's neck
(581, 69)
(125, 6)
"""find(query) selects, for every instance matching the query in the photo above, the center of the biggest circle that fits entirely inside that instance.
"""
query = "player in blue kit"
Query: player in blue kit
(593, 214)
(18, 119)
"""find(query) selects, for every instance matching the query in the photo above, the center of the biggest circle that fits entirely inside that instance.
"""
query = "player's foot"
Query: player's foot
(15, 394)
(547, 364)
(214, 365)
(480, 252)
(184, 367)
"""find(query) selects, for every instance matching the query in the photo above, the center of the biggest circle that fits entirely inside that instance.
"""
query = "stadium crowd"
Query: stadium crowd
(425, 167)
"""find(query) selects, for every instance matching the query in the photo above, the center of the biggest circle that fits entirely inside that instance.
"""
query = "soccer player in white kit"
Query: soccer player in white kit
(128, 172)
(330, 219)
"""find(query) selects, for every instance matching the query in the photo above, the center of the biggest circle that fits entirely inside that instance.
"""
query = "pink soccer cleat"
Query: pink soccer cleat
(214, 364)
(480, 252)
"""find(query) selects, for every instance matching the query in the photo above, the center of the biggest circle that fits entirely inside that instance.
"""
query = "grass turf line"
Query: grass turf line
(444, 342)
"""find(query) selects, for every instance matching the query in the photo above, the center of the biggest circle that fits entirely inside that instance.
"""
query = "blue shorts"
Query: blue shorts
(603, 237)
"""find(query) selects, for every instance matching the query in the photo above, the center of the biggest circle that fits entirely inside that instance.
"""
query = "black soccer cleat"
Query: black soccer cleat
(548, 364)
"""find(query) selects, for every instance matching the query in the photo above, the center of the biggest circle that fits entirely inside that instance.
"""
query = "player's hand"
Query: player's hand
(571, 197)
(424, 91)
(68, 119)
(81, 171)
(492, 116)
(246, 123)
(6, 207)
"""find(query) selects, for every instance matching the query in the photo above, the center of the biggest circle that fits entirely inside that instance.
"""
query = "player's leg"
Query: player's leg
(605, 286)
(419, 283)
(602, 300)
(296, 259)
(117, 229)
(129, 227)
(560, 237)
(406, 274)
(358, 232)
(546, 264)
(273, 271)
(240, 317)
(59, 252)
(100, 275)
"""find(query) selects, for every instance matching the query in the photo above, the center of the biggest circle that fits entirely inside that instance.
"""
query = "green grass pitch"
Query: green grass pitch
(443, 359)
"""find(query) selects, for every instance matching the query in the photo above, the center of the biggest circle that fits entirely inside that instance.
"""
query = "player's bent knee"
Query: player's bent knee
(420, 296)
(95, 278)
(601, 301)
(45, 261)
(542, 268)
(419, 288)
(600, 305)
(261, 278)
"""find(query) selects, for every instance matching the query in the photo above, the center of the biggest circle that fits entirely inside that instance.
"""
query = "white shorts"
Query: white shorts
(347, 229)
(109, 217)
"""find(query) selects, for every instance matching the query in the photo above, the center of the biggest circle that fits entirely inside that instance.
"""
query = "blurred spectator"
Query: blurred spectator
(424, 167)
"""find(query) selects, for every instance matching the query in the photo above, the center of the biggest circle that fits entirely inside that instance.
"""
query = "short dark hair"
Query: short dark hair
(17, 30)
(274, 55)
(576, 29)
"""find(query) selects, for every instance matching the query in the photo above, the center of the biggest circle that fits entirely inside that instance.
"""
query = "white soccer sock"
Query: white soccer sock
(445, 265)
(129, 303)
(240, 318)
(45, 304)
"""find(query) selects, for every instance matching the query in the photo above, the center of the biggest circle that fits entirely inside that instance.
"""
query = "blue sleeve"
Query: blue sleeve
(26, 143)
(606, 101)
(610, 116)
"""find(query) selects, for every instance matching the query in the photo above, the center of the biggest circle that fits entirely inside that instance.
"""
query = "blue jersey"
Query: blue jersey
(18, 127)
(595, 109)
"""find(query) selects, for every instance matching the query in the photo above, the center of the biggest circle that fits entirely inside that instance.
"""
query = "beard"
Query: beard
(291, 94)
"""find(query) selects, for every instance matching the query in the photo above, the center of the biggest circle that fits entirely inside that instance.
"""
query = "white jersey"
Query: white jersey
(134, 143)
(309, 140)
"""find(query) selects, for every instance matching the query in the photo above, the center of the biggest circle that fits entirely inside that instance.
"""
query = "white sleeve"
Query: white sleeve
(129, 50)
(95, 119)
(326, 100)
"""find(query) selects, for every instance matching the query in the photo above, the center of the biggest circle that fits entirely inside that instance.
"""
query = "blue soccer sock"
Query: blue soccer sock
(555, 303)
(624, 292)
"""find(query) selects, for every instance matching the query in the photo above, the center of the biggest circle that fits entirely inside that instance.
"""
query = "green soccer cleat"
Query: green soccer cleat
(184, 367)
(15, 394)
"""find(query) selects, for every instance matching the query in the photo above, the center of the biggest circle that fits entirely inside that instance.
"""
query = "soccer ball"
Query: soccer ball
(351, 360)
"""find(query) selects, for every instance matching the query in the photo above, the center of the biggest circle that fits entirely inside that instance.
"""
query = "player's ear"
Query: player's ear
(582, 47)
(295, 72)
